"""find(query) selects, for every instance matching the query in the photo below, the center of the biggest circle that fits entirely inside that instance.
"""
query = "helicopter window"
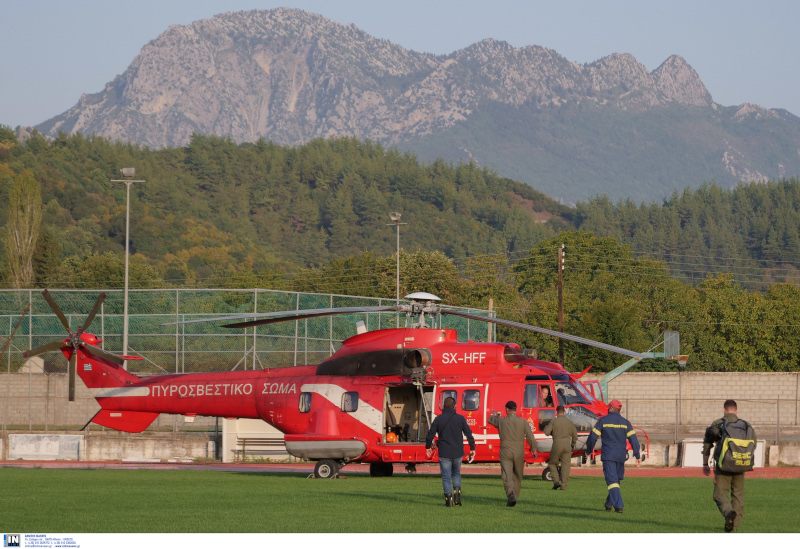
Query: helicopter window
(545, 417)
(586, 392)
(529, 399)
(471, 401)
(305, 402)
(545, 398)
(350, 401)
(583, 418)
(537, 396)
(567, 394)
(444, 394)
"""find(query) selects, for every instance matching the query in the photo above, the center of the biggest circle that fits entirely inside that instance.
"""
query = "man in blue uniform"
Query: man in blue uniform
(450, 427)
(614, 430)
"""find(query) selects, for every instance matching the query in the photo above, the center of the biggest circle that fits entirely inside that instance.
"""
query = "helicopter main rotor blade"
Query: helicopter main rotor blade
(568, 337)
(53, 346)
(57, 310)
(294, 315)
(73, 367)
(97, 351)
(312, 313)
(92, 314)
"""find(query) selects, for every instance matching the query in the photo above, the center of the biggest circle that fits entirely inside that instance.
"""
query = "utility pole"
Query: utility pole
(561, 255)
(128, 175)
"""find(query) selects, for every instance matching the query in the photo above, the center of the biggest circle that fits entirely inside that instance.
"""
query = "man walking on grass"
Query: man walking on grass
(729, 485)
(514, 431)
(451, 428)
(615, 431)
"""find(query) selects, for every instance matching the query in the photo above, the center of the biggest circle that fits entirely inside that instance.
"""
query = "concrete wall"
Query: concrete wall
(187, 448)
(670, 454)
(39, 401)
(649, 399)
(106, 447)
(691, 400)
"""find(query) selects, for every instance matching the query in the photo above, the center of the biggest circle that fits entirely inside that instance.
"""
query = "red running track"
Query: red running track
(630, 471)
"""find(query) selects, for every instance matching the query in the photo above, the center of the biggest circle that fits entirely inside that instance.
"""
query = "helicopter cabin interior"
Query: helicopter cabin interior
(407, 413)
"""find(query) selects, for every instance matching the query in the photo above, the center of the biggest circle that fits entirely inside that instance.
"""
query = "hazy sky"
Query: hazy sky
(55, 50)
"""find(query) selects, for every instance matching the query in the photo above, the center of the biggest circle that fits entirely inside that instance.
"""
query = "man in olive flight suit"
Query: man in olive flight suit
(565, 436)
(728, 487)
(514, 431)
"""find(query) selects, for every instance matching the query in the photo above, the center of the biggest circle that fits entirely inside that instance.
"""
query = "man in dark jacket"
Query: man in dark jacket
(565, 436)
(450, 427)
(728, 487)
(615, 431)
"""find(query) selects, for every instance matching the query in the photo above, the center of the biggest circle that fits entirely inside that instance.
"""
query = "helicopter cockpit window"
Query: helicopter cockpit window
(444, 394)
(537, 396)
(471, 401)
(583, 418)
(567, 394)
(545, 398)
(305, 402)
(350, 401)
(545, 417)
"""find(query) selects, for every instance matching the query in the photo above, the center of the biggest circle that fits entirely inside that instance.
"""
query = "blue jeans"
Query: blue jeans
(451, 473)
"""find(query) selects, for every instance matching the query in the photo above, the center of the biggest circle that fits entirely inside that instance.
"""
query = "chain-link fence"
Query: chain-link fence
(35, 401)
(198, 347)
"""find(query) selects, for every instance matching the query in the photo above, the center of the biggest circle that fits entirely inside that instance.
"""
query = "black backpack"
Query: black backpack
(735, 452)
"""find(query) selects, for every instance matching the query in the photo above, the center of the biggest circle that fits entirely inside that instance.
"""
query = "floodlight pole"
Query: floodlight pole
(395, 217)
(128, 175)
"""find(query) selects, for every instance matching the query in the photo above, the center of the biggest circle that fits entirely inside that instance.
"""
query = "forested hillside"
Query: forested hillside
(751, 231)
(215, 209)
(315, 218)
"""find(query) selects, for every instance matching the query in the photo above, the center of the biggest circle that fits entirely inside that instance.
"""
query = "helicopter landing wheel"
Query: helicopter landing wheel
(546, 475)
(380, 469)
(326, 468)
(411, 468)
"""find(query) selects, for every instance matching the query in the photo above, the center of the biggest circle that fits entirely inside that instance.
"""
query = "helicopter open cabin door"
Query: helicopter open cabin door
(407, 413)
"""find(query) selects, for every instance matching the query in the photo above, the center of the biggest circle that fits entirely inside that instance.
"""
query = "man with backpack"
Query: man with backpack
(735, 442)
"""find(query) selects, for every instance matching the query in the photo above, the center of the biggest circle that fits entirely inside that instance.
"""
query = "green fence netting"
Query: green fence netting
(204, 346)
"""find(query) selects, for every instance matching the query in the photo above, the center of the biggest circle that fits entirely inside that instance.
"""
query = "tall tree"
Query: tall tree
(24, 221)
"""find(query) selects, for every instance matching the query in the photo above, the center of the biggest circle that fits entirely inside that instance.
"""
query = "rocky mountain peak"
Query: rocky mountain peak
(289, 75)
(678, 81)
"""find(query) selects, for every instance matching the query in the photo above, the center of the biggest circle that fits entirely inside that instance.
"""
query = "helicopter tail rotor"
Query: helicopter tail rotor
(74, 341)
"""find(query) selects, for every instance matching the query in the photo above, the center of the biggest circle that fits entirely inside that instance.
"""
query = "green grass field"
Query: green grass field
(147, 501)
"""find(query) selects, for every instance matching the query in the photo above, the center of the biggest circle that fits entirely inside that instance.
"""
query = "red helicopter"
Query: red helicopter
(372, 401)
